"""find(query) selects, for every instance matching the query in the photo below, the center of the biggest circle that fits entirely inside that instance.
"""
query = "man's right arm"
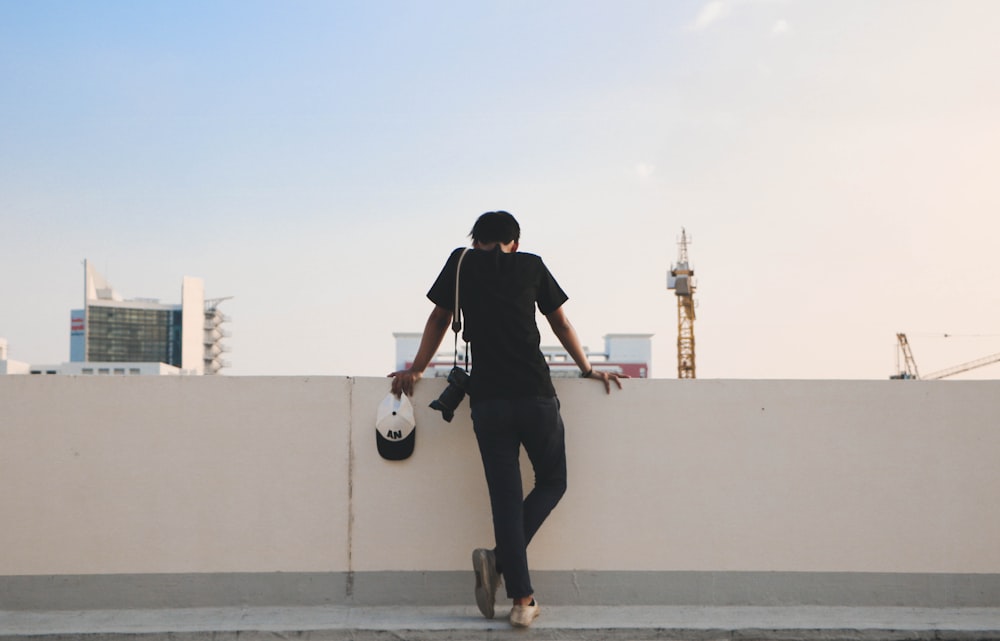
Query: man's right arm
(438, 324)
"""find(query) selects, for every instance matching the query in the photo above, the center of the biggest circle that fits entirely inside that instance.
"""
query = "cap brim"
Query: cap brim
(396, 450)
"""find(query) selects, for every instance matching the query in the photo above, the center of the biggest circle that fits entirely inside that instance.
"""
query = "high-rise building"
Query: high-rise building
(110, 329)
(141, 336)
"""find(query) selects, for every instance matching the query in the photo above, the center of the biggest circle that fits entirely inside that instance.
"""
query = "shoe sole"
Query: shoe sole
(485, 597)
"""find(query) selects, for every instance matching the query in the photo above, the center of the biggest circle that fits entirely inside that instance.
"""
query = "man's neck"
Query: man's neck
(507, 248)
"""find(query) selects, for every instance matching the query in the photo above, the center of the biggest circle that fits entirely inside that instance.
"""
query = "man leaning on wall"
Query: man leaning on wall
(510, 389)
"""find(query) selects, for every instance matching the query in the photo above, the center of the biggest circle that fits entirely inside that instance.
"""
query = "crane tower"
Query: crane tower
(681, 280)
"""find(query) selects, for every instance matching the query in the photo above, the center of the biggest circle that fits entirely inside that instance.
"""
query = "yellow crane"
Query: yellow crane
(681, 280)
(907, 369)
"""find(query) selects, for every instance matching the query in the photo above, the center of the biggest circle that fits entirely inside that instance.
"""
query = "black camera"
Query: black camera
(458, 380)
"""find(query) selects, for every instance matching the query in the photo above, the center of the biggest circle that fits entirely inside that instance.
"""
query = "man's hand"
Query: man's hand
(404, 380)
(566, 334)
(437, 326)
(606, 378)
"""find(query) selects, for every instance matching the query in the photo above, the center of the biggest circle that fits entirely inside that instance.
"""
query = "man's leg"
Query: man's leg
(500, 447)
(540, 430)
(544, 439)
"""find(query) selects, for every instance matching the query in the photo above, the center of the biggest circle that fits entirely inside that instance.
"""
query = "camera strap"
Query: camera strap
(456, 323)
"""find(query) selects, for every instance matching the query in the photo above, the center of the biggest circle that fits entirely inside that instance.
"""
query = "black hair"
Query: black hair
(496, 226)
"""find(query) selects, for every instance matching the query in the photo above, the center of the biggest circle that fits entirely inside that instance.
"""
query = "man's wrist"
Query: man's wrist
(588, 373)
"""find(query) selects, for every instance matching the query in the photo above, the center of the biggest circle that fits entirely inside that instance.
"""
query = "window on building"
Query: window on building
(120, 334)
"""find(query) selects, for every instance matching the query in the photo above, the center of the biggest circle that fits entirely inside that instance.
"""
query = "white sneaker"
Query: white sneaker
(484, 564)
(521, 616)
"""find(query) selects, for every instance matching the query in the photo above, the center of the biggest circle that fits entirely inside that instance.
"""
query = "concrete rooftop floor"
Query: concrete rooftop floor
(464, 622)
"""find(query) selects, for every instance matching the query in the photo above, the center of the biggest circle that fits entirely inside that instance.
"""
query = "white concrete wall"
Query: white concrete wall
(829, 476)
(172, 475)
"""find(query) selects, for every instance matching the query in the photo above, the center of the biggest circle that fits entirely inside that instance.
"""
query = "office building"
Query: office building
(141, 336)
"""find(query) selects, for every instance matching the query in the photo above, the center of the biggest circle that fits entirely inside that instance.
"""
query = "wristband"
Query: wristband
(587, 373)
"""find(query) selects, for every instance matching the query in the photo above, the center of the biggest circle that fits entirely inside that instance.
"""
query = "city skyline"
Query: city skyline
(831, 162)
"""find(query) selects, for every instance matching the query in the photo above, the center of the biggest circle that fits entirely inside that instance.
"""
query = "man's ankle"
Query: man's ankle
(527, 600)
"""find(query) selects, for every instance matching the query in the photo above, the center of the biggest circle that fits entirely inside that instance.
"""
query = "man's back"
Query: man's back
(499, 294)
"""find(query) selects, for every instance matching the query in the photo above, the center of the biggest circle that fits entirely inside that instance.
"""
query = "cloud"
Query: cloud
(717, 10)
(710, 13)
(644, 170)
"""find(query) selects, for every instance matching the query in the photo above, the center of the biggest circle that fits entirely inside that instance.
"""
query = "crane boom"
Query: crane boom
(908, 370)
(964, 367)
(909, 365)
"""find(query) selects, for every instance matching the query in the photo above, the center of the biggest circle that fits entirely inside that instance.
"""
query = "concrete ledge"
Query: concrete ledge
(579, 588)
(456, 623)
(132, 591)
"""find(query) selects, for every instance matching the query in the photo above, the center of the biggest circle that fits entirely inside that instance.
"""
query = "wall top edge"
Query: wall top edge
(636, 381)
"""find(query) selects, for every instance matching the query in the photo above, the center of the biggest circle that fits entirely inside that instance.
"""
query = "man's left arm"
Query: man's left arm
(567, 335)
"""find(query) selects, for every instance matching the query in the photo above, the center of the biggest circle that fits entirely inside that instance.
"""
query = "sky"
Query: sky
(833, 163)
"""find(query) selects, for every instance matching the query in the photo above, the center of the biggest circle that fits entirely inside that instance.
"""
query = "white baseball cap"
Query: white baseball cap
(395, 427)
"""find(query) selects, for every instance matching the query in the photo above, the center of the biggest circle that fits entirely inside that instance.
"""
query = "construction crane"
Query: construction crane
(908, 368)
(681, 280)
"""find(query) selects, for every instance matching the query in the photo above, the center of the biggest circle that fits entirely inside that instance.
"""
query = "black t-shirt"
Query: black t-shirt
(498, 295)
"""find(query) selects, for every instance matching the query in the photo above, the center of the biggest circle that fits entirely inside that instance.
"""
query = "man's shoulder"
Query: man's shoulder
(525, 258)
(454, 256)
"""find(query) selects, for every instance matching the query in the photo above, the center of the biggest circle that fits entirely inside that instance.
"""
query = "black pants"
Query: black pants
(502, 427)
